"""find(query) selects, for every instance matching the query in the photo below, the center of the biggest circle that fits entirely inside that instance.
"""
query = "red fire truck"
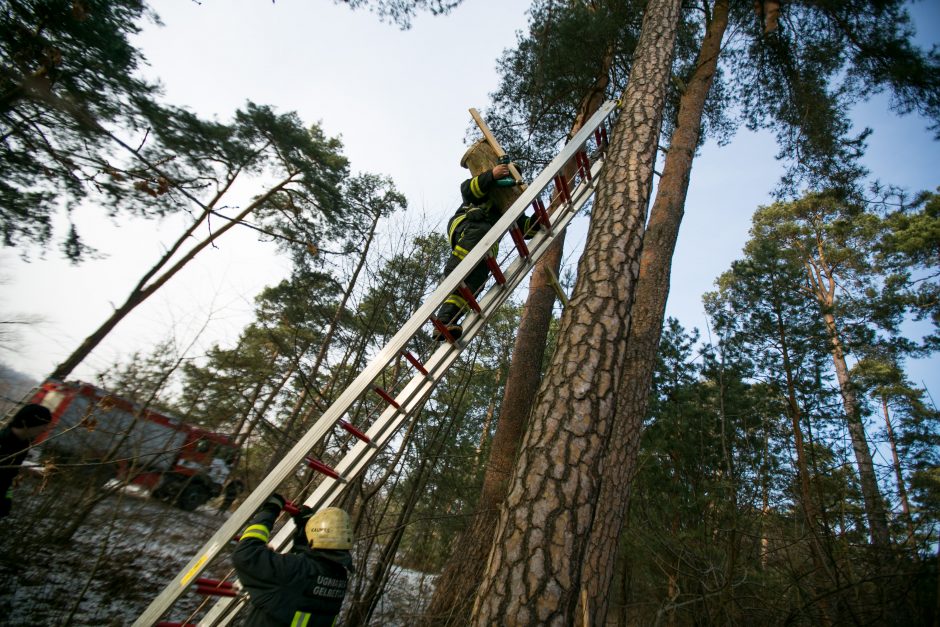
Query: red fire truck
(176, 461)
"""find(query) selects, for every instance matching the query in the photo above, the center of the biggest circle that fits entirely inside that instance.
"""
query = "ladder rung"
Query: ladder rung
(171, 624)
(517, 238)
(468, 296)
(323, 468)
(290, 508)
(414, 362)
(584, 165)
(215, 583)
(539, 207)
(443, 330)
(561, 186)
(355, 432)
(495, 270)
(216, 592)
(388, 398)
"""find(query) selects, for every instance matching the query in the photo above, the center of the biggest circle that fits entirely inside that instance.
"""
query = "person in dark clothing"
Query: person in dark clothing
(303, 588)
(28, 424)
(466, 228)
(232, 489)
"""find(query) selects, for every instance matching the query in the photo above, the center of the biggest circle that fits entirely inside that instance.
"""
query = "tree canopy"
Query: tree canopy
(67, 70)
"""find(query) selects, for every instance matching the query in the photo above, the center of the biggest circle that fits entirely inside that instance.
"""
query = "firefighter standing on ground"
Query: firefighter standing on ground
(470, 223)
(303, 588)
(28, 424)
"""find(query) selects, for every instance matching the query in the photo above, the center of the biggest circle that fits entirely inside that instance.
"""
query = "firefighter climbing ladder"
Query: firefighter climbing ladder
(585, 156)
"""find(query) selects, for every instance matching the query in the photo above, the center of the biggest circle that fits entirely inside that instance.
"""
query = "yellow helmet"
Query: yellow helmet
(329, 529)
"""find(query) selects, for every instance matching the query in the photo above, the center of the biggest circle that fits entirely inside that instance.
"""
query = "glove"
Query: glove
(274, 503)
(300, 523)
(476, 214)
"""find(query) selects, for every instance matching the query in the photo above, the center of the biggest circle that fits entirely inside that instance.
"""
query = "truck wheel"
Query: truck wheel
(166, 491)
(192, 497)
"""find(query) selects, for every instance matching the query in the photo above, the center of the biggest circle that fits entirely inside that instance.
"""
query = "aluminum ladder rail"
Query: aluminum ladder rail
(413, 395)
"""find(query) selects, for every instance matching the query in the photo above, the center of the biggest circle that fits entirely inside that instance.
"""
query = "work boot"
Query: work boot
(455, 331)
(448, 315)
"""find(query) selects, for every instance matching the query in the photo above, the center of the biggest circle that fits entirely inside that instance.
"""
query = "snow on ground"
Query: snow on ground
(106, 574)
(120, 558)
(407, 593)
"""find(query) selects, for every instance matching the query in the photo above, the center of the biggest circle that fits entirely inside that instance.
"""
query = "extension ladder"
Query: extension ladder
(585, 155)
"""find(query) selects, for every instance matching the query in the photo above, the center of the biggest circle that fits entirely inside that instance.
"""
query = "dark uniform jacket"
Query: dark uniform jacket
(480, 209)
(303, 588)
(12, 453)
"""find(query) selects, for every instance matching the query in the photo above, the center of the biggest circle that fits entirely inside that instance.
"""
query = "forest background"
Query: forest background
(215, 354)
(410, 124)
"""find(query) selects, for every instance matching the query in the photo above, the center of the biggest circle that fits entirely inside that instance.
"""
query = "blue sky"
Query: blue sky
(399, 100)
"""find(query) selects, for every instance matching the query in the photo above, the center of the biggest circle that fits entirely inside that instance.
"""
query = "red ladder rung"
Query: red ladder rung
(388, 398)
(586, 162)
(517, 238)
(561, 186)
(216, 592)
(443, 330)
(468, 296)
(494, 270)
(215, 583)
(414, 362)
(354, 431)
(539, 207)
(290, 508)
(323, 468)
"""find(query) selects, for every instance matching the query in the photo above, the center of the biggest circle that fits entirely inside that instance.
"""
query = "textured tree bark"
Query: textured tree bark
(642, 344)
(534, 569)
(455, 589)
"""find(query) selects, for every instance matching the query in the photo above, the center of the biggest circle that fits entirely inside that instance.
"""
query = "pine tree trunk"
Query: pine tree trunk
(898, 475)
(649, 308)
(457, 584)
(534, 570)
(871, 494)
